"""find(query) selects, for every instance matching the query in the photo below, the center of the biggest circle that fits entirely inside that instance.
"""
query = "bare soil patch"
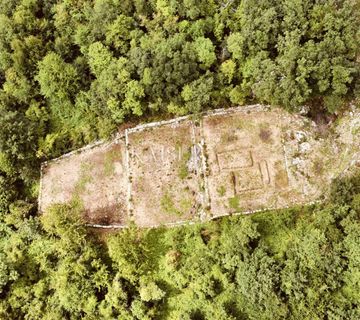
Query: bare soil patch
(94, 178)
(164, 169)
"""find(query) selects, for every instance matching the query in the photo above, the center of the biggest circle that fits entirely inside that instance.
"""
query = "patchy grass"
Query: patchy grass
(109, 159)
(318, 166)
(85, 177)
(228, 137)
(355, 131)
(183, 171)
(221, 191)
(168, 205)
(80, 187)
(241, 124)
(234, 203)
(281, 178)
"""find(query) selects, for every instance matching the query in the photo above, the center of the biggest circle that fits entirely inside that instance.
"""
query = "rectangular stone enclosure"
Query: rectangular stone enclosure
(164, 172)
(177, 171)
(247, 162)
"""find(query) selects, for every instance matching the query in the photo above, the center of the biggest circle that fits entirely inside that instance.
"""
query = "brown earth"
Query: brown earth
(163, 189)
(94, 178)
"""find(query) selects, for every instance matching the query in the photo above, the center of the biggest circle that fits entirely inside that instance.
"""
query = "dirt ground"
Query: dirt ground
(94, 178)
(165, 182)
(247, 162)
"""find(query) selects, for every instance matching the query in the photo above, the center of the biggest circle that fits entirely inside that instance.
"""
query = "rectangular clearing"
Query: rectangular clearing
(164, 165)
(233, 161)
(93, 177)
(247, 162)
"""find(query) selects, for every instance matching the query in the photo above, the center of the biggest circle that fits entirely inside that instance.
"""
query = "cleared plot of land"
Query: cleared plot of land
(94, 178)
(247, 162)
(164, 165)
(231, 161)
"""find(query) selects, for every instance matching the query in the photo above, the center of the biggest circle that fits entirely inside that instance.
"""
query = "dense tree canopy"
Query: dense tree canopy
(72, 71)
(290, 264)
(82, 67)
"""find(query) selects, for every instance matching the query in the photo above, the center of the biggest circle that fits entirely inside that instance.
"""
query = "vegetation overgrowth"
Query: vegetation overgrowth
(299, 263)
(73, 71)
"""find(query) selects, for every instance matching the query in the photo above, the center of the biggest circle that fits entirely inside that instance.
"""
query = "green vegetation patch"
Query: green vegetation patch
(299, 261)
(110, 158)
(80, 186)
(234, 203)
(221, 191)
(85, 177)
(183, 170)
(173, 206)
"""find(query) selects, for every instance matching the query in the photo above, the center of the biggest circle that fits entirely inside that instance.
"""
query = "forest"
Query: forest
(73, 71)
